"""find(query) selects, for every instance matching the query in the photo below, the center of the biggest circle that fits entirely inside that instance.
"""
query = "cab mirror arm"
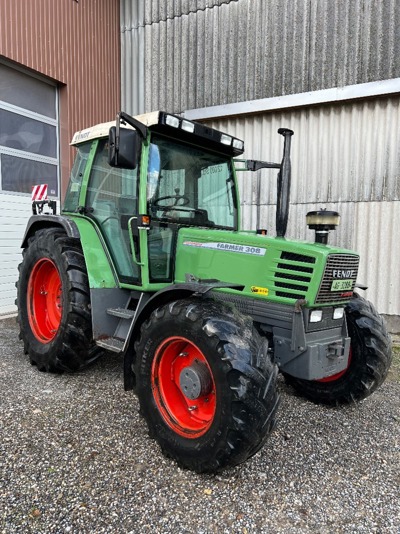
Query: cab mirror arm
(124, 143)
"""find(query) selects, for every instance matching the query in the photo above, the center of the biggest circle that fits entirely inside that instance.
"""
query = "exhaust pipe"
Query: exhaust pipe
(284, 177)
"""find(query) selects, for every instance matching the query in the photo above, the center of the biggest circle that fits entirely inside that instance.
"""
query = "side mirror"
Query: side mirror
(123, 148)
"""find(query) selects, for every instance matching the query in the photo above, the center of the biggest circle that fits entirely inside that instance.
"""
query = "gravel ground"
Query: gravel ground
(75, 457)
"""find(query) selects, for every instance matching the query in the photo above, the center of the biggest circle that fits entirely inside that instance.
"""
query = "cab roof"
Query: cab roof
(101, 130)
(173, 126)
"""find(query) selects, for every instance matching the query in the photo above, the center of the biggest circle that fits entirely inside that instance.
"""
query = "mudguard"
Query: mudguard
(39, 222)
(171, 293)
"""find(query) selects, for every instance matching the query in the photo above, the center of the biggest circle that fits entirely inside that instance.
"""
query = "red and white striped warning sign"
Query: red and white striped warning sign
(39, 192)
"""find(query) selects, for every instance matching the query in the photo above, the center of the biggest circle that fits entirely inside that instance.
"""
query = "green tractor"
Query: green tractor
(147, 260)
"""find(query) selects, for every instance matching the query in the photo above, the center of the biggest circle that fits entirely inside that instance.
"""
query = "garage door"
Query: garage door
(28, 156)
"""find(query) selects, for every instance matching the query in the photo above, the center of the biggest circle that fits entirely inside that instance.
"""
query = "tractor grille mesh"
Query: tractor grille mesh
(293, 275)
(295, 271)
(346, 264)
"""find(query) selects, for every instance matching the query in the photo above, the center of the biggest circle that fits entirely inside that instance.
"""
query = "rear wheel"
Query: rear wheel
(206, 385)
(44, 303)
(53, 303)
(369, 360)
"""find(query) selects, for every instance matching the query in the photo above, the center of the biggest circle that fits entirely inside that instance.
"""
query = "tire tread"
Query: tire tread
(76, 349)
(251, 377)
(369, 336)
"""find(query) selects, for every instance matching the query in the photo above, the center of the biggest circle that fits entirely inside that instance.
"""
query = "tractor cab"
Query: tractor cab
(159, 172)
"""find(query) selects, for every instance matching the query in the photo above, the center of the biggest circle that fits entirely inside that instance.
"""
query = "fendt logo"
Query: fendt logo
(350, 273)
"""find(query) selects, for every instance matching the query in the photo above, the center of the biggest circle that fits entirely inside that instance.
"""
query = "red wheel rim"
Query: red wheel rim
(44, 300)
(335, 377)
(188, 418)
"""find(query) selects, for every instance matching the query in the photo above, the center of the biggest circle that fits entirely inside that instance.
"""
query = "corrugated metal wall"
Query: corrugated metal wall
(75, 43)
(179, 55)
(347, 152)
(182, 55)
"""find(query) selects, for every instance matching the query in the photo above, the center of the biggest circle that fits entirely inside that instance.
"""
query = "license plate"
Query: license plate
(341, 285)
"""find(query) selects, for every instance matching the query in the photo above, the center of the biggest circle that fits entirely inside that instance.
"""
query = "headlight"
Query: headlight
(338, 313)
(187, 126)
(172, 121)
(226, 139)
(237, 143)
(316, 316)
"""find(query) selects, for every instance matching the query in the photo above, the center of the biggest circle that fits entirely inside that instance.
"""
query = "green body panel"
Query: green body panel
(99, 264)
(235, 257)
(251, 260)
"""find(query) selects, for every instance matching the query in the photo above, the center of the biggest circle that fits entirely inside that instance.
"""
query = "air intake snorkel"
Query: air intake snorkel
(322, 222)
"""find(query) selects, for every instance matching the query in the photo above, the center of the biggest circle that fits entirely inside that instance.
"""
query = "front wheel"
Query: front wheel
(369, 360)
(206, 385)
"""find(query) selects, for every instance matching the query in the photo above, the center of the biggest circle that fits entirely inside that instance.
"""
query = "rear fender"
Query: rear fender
(40, 222)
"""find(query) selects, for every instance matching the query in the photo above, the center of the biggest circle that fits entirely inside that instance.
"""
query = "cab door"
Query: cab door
(186, 186)
(111, 200)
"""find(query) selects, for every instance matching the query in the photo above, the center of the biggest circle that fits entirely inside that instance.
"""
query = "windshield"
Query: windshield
(187, 185)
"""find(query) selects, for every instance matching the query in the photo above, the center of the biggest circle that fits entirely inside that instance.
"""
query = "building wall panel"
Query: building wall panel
(346, 152)
(15, 211)
(376, 239)
(235, 51)
(74, 43)
(77, 46)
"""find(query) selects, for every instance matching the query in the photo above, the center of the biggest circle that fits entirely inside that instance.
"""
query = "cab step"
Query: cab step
(113, 344)
(123, 313)
(115, 333)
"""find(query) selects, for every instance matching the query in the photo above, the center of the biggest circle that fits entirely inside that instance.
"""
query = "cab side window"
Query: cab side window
(112, 197)
(71, 201)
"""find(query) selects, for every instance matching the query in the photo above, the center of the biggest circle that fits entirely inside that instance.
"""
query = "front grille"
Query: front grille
(345, 265)
(291, 256)
(293, 275)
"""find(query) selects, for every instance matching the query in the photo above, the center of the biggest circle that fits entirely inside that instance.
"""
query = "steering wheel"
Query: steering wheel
(176, 198)
(109, 218)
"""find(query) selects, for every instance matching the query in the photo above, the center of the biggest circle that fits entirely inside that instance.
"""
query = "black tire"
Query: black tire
(242, 392)
(369, 363)
(57, 332)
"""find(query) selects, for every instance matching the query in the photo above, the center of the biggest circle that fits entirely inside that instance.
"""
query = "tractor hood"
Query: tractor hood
(270, 268)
